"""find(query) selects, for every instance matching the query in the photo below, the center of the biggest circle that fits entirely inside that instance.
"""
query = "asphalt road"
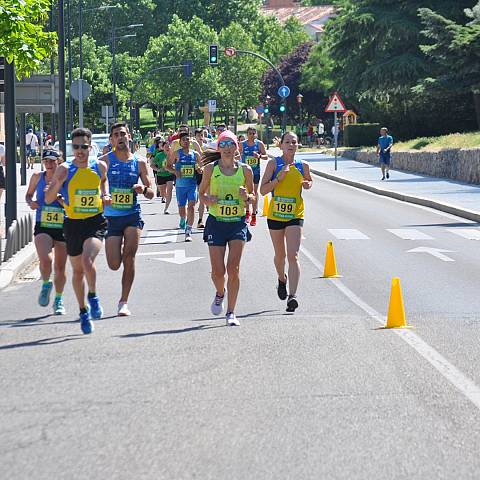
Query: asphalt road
(172, 393)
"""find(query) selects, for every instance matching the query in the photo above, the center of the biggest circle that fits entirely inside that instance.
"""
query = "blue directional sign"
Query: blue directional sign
(284, 91)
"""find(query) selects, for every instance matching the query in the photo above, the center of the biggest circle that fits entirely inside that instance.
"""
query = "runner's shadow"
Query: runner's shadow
(43, 341)
(246, 315)
(24, 323)
(26, 320)
(170, 332)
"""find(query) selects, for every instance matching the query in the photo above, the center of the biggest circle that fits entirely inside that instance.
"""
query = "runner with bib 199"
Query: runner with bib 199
(285, 178)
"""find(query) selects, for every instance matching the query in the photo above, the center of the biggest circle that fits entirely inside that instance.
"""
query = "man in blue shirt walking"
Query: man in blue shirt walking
(384, 151)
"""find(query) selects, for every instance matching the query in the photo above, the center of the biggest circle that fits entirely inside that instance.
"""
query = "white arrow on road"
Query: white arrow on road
(436, 252)
(179, 257)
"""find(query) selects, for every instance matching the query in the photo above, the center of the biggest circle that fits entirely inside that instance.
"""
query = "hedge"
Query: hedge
(361, 134)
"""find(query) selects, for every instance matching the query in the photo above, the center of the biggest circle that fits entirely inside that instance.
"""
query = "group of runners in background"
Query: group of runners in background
(81, 203)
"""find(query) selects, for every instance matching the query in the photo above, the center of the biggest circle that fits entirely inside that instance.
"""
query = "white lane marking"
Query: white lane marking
(457, 378)
(159, 237)
(179, 258)
(409, 234)
(468, 233)
(435, 252)
(348, 234)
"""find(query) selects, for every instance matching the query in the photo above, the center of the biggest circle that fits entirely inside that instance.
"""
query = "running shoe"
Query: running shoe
(188, 236)
(166, 212)
(164, 200)
(292, 303)
(96, 309)
(58, 306)
(231, 320)
(388, 175)
(123, 310)
(86, 323)
(158, 194)
(182, 224)
(282, 289)
(247, 216)
(44, 297)
(217, 304)
(200, 224)
(253, 221)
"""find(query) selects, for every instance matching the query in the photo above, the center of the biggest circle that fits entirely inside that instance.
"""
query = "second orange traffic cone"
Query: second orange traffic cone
(396, 310)
(265, 205)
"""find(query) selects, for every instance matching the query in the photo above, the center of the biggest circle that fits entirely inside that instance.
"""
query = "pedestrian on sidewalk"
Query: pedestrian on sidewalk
(31, 142)
(384, 151)
(2, 171)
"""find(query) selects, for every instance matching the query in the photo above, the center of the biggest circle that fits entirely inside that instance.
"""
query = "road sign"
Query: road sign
(212, 106)
(75, 89)
(259, 108)
(335, 104)
(230, 52)
(107, 111)
(284, 91)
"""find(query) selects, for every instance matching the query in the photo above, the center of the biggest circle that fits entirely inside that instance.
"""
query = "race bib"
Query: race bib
(252, 161)
(52, 217)
(86, 201)
(122, 198)
(284, 207)
(187, 171)
(229, 211)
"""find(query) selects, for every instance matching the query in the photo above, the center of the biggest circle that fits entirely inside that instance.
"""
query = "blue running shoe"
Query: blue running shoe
(44, 297)
(96, 310)
(183, 223)
(58, 306)
(86, 323)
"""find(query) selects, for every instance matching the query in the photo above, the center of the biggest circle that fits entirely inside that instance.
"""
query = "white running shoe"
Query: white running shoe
(123, 310)
(232, 320)
(217, 304)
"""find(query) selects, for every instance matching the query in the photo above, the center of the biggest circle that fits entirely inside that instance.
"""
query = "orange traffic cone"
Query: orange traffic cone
(396, 311)
(265, 206)
(330, 270)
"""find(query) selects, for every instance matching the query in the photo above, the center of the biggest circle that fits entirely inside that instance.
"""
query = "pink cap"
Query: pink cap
(228, 134)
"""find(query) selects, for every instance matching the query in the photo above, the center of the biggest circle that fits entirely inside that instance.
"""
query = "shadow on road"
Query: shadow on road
(246, 315)
(41, 342)
(32, 322)
(171, 332)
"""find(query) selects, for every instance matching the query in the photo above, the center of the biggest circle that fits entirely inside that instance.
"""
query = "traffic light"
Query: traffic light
(282, 107)
(266, 110)
(213, 55)
(187, 68)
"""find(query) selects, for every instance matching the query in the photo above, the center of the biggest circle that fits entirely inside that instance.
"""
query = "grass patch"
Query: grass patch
(434, 144)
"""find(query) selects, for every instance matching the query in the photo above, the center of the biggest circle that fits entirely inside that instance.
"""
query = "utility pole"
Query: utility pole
(61, 75)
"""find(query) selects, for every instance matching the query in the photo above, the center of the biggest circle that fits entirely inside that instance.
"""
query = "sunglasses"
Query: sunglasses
(226, 143)
(76, 146)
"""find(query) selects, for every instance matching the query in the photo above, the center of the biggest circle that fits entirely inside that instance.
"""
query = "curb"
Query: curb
(9, 270)
(425, 202)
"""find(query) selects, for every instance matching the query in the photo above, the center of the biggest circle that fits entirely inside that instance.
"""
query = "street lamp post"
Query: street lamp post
(113, 40)
(300, 120)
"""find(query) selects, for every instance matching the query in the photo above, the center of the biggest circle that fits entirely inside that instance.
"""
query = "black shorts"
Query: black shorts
(199, 177)
(77, 231)
(56, 234)
(163, 180)
(2, 178)
(277, 225)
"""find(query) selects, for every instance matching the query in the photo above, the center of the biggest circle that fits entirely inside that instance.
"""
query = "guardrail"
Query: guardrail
(19, 234)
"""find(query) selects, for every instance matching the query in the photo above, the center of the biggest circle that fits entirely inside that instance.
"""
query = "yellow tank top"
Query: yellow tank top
(82, 191)
(287, 202)
(230, 207)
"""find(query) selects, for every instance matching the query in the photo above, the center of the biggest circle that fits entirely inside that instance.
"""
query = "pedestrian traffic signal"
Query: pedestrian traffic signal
(266, 110)
(282, 107)
(187, 68)
(213, 55)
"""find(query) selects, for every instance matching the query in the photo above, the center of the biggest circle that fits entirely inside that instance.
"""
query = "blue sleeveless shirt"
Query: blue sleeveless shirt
(248, 155)
(47, 215)
(121, 178)
(186, 164)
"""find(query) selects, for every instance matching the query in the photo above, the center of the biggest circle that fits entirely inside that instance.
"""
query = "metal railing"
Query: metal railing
(19, 234)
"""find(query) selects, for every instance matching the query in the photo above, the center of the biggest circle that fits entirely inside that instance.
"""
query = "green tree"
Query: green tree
(22, 36)
(455, 48)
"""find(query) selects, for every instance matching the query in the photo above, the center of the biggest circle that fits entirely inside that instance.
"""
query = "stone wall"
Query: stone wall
(456, 164)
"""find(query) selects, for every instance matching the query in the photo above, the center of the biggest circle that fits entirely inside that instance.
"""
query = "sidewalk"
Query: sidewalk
(449, 196)
(8, 270)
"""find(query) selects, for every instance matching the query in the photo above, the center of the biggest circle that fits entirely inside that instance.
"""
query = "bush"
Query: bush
(361, 135)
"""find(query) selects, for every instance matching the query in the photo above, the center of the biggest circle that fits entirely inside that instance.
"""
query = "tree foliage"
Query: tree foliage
(22, 36)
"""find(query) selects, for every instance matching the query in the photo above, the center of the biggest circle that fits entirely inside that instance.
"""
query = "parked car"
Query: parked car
(101, 139)
(68, 155)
